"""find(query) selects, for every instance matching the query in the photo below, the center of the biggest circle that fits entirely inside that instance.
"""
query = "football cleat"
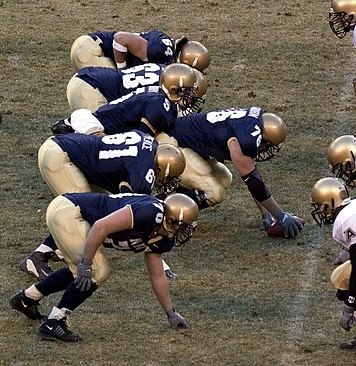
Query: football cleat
(170, 274)
(348, 344)
(57, 330)
(36, 264)
(26, 306)
(62, 126)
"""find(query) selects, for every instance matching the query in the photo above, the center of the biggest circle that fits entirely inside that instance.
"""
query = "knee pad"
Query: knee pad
(340, 277)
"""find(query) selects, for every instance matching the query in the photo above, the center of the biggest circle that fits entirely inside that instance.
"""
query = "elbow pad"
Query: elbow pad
(256, 186)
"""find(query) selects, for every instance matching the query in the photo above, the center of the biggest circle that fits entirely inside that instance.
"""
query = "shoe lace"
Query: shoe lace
(64, 322)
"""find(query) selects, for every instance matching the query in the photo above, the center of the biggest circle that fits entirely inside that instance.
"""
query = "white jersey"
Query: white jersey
(344, 228)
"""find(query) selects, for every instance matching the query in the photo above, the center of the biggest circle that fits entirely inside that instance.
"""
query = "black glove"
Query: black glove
(347, 319)
(290, 224)
(83, 281)
(61, 127)
(176, 320)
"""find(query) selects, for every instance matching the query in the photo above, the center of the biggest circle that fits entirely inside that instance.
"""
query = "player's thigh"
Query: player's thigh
(87, 52)
(199, 174)
(221, 173)
(60, 174)
(69, 231)
(80, 94)
(163, 138)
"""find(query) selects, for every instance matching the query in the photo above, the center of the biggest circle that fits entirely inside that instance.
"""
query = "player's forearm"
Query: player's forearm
(159, 280)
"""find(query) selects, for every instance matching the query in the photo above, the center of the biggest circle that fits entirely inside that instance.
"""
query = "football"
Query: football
(276, 230)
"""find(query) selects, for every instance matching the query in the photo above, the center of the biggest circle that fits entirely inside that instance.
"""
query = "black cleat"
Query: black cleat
(348, 345)
(26, 306)
(62, 126)
(57, 330)
(36, 264)
(170, 274)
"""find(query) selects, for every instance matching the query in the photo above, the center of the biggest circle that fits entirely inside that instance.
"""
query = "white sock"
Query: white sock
(33, 293)
(59, 314)
(165, 265)
(44, 249)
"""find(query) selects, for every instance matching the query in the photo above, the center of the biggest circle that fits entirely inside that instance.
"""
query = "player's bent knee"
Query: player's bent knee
(101, 275)
(340, 277)
(222, 174)
(216, 195)
(163, 138)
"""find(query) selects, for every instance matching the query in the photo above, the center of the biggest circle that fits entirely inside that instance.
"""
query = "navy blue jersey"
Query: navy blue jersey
(147, 216)
(160, 47)
(109, 160)
(114, 83)
(127, 112)
(106, 45)
(208, 133)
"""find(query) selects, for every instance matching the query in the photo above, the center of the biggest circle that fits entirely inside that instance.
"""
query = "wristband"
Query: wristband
(121, 65)
(118, 47)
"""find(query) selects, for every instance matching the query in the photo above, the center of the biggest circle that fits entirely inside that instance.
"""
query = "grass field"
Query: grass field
(250, 299)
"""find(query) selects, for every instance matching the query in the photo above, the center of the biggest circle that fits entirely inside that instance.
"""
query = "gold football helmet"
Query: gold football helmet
(170, 163)
(180, 218)
(342, 16)
(202, 87)
(327, 195)
(194, 54)
(179, 82)
(341, 157)
(274, 133)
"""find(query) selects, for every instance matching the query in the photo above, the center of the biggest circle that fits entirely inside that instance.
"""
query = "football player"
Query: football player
(92, 87)
(242, 136)
(341, 157)
(143, 109)
(80, 223)
(332, 205)
(125, 49)
(127, 162)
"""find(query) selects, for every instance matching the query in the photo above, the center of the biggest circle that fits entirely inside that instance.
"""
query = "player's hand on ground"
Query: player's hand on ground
(176, 320)
(291, 225)
(347, 319)
(267, 221)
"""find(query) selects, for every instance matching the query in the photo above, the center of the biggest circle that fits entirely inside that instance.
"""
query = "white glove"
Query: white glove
(347, 319)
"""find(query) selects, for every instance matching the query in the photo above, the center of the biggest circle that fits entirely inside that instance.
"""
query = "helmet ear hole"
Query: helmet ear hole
(179, 78)
(327, 195)
(181, 215)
